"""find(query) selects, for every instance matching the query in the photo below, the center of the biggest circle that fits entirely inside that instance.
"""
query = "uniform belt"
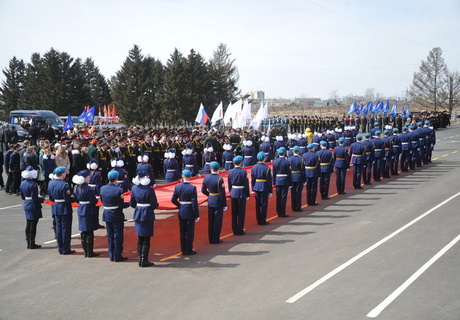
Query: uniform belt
(281, 175)
(234, 142)
(261, 180)
(302, 147)
(171, 170)
(340, 159)
(248, 156)
(368, 152)
(325, 164)
(131, 154)
(395, 146)
(189, 165)
(214, 194)
(316, 143)
(238, 187)
(295, 171)
(28, 198)
(59, 200)
(267, 153)
(84, 202)
(377, 149)
(387, 148)
(103, 158)
(404, 142)
(347, 137)
(207, 163)
(228, 161)
(310, 167)
(120, 181)
(92, 185)
(143, 205)
(185, 202)
(111, 208)
(357, 155)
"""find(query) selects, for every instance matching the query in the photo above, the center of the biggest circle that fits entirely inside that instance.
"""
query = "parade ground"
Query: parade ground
(388, 251)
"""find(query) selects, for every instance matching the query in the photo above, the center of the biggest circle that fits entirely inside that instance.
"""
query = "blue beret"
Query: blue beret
(323, 143)
(341, 139)
(367, 135)
(386, 132)
(411, 127)
(359, 137)
(395, 130)
(311, 145)
(261, 156)
(281, 150)
(378, 132)
(84, 173)
(427, 121)
(60, 170)
(419, 123)
(404, 128)
(214, 165)
(376, 123)
(186, 173)
(113, 174)
(238, 159)
(296, 148)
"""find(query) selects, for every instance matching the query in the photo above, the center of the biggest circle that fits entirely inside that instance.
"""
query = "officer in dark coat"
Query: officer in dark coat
(341, 164)
(282, 180)
(59, 192)
(368, 158)
(87, 215)
(185, 197)
(325, 169)
(357, 150)
(396, 145)
(261, 181)
(311, 161)
(238, 186)
(213, 187)
(144, 200)
(378, 155)
(32, 205)
(298, 179)
(113, 216)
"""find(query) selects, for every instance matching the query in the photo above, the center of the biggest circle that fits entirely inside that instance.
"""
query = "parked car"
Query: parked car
(23, 134)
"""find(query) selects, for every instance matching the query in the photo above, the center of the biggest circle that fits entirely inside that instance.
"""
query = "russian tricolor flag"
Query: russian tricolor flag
(202, 117)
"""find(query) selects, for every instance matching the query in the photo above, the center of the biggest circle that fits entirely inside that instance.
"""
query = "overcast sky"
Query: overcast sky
(291, 48)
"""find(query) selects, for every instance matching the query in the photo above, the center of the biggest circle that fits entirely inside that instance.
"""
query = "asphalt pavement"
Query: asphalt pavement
(388, 251)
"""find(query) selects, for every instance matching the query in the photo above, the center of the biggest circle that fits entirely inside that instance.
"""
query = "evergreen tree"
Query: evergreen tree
(13, 85)
(96, 84)
(224, 76)
(429, 84)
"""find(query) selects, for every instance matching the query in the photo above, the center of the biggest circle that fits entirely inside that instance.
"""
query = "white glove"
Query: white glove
(290, 187)
(247, 198)
(225, 208)
(270, 194)
(154, 185)
(304, 183)
(197, 219)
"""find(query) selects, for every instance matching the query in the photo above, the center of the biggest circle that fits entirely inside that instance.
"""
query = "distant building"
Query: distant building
(256, 95)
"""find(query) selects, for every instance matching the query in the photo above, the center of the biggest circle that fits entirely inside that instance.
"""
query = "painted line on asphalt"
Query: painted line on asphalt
(16, 205)
(377, 310)
(72, 236)
(302, 293)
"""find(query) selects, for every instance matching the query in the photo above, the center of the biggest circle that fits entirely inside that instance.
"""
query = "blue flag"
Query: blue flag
(407, 111)
(378, 106)
(367, 108)
(394, 110)
(386, 107)
(82, 116)
(352, 107)
(68, 124)
(89, 116)
(359, 109)
(403, 112)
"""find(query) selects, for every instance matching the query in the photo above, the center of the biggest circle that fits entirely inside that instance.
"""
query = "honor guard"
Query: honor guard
(238, 186)
(357, 150)
(171, 167)
(227, 156)
(311, 161)
(261, 180)
(326, 168)
(378, 155)
(144, 165)
(368, 158)
(396, 145)
(123, 181)
(282, 180)
(298, 179)
(341, 164)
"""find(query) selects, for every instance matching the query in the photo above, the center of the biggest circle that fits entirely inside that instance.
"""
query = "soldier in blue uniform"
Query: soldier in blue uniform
(185, 197)
(341, 164)
(326, 168)
(144, 202)
(123, 181)
(87, 216)
(171, 167)
(396, 145)
(248, 153)
(357, 150)
(387, 153)
(189, 161)
(282, 180)
(415, 147)
(298, 179)
(227, 156)
(261, 181)
(113, 216)
(144, 165)
(238, 186)
(208, 157)
(406, 149)
(32, 205)
(311, 161)
(95, 181)
(213, 187)
(266, 147)
(368, 158)
(378, 155)
(59, 192)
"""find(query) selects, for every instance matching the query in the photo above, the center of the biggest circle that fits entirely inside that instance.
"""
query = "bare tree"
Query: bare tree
(453, 90)
(428, 87)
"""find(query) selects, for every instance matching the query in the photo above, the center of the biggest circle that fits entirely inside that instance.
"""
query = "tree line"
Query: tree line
(145, 90)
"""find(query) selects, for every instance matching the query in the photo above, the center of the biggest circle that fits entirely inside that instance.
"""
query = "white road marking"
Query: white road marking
(72, 236)
(16, 205)
(377, 310)
(300, 294)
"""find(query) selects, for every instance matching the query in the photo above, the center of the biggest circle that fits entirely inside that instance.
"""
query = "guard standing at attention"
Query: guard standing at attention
(261, 180)
(326, 168)
(358, 150)
(238, 186)
(213, 187)
(32, 205)
(185, 197)
(298, 179)
(87, 215)
(282, 180)
(311, 161)
(144, 201)
(59, 191)
(113, 216)
(341, 164)
(368, 158)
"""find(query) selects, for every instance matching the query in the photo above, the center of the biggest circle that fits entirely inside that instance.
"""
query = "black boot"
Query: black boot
(90, 246)
(83, 242)
(31, 242)
(140, 241)
(145, 254)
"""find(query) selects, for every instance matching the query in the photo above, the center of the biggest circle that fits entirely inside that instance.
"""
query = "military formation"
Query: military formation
(90, 165)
